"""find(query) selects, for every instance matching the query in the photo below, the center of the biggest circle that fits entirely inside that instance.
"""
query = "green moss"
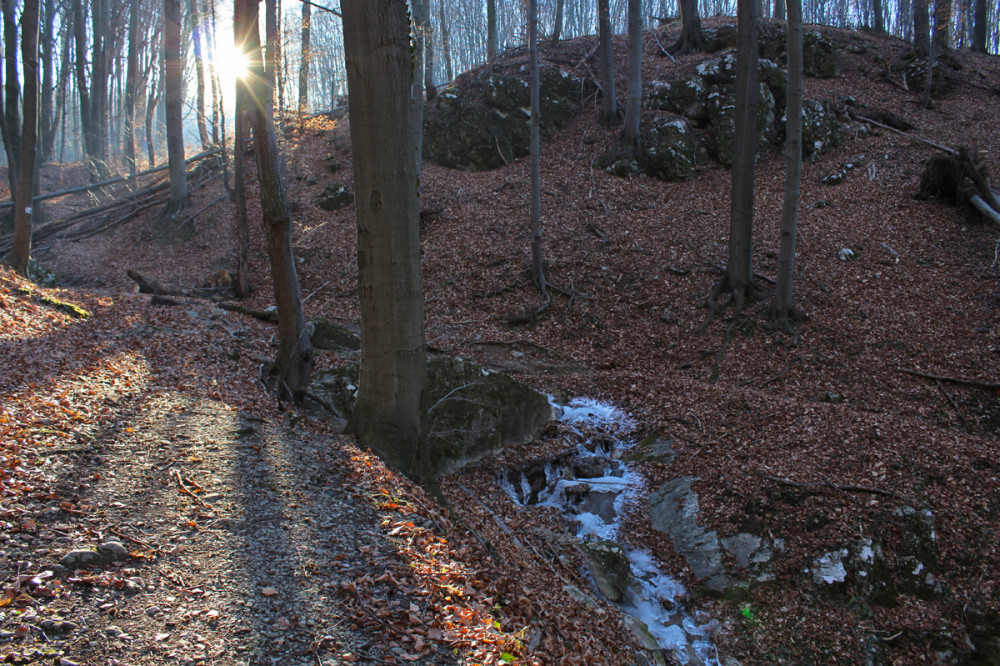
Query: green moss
(74, 311)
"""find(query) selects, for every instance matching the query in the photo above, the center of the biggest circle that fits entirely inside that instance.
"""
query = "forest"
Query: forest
(483, 332)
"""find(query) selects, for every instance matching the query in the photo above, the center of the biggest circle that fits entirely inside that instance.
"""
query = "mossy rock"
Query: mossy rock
(325, 334)
(722, 112)
(818, 53)
(685, 97)
(820, 128)
(505, 92)
(671, 149)
(913, 70)
(721, 38)
(334, 197)
(71, 309)
(610, 566)
(651, 449)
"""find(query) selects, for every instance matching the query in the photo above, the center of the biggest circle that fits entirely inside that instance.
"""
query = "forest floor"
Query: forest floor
(256, 535)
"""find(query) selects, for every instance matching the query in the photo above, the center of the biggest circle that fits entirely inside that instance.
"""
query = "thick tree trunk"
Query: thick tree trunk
(173, 91)
(779, 9)
(879, 11)
(692, 39)
(387, 415)
(304, 59)
(609, 116)
(921, 27)
(100, 69)
(12, 85)
(630, 137)
(979, 27)
(942, 26)
(784, 304)
(294, 362)
(491, 30)
(26, 180)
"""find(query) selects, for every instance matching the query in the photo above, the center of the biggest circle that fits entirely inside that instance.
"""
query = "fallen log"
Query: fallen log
(270, 316)
(157, 288)
(985, 210)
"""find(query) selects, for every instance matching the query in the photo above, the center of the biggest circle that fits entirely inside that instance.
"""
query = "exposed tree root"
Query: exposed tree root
(740, 295)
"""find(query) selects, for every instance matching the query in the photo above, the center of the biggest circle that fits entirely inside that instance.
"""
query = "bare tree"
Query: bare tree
(491, 30)
(921, 27)
(449, 73)
(979, 27)
(12, 86)
(557, 23)
(23, 208)
(131, 84)
(783, 308)
(304, 58)
(293, 366)
(173, 91)
(942, 26)
(628, 145)
(609, 115)
(417, 86)
(692, 38)
(537, 267)
(387, 414)
(738, 279)
(199, 69)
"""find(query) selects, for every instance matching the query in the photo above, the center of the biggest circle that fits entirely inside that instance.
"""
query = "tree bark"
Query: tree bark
(783, 307)
(879, 12)
(12, 85)
(294, 362)
(449, 71)
(47, 42)
(779, 9)
(272, 69)
(173, 90)
(241, 26)
(692, 39)
(921, 27)
(26, 179)
(430, 90)
(199, 70)
(537, 267)
(979, 27)
(630, 137)
(609, 116)
(417, 85)
(304, 59)
(558, 23)
(387, 415)
(942, 26)
(491, 30)
(131, 84)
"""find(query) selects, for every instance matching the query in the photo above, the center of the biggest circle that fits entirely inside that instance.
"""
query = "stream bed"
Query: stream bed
(593, 485)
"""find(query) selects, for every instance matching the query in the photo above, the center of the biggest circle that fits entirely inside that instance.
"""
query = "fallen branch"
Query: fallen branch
(950, 151)
(819, 485)
(953, 403)
(984, 209)
(270, 316)
(184, 489)
(992, 386)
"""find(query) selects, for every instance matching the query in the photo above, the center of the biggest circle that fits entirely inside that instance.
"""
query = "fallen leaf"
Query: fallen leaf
(269, 592)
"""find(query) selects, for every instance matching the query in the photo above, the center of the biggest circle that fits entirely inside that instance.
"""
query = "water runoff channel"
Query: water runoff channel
(593, 486)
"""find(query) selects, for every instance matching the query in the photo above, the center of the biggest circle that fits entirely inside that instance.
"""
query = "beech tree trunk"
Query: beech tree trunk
(692, 39)
(557, 24)
(779, 9)
(537, 267)
(23, 208)
(979, 27)
(430, 90)
(173, 90)
(293, 368)
(921, 27)
(449, 71)
(417, 84)
(491, 30)
(784, 304)
(12, 85)
(942, 26)
(131, 84)
(609, 116)
(387, 414)
(304, 59)
(46, 45)
(199, 70)
(241, 27)
(630, 137)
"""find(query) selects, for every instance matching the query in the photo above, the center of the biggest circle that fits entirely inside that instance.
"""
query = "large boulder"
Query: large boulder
(685, 97)
(472, 412)
(484, 122)
(610, 566)
(671, 149)
(818, 53)
(722, 72)
(722, 112)
(820, 129)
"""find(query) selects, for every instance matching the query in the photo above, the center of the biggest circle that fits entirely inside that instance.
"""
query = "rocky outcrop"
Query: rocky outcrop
(685, 97)
(483, 122)
(818, 53)
(472, 412)
(722, 112)
(334, 197)
(671, 149)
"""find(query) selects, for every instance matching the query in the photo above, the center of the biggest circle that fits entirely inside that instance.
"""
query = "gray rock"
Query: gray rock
(610, 565)
(334, 197)
(114, 632)
(829, 571)
(742, 547)
(671, 149)
(673, 509)
(113, 551)
(722, 113)
(871, 576)
(818, 53)
(685, 97)
(82, 558)
(652, 449)
(325, 334)
(820, 129)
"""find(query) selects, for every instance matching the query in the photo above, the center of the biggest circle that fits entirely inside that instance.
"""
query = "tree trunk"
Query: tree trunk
(387, 414)
(173, 91)
(783, 307)
(491, 30)
(12, 110)
(942, 26)
(272, 69)
(241, 27)
(779, 9)
(417, 85)
(979, 27)
(537, 267)
(131, 84)
(429, 88)
(739, 273)
(99, 69)
(304, 59)
(151, 102)
(47, 42)
(449, 71)
(692, 39)
(199, 69)
(557, 24)
(609, 116)
(294, 362)
(630, 137)
(879, 12)
(921, 27)
(26, 179)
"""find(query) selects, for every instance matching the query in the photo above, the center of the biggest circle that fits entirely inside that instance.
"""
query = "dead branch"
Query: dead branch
(151, 286)
(984, 209)
(953, 403)
(270, 316)
(950, 151)
(820, 485)
(184, 489)
(992, 386)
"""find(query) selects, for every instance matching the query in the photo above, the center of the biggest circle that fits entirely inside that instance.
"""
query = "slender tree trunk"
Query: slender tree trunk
(272, 69)
(537, 267)
(199, 70)
(26, 180)
(929, 77)
(294, 362)
(879, 12)
(491, 30)
(942, 26)
(304, 59)
(151, 104)
(173, 91)
(630, 137)
(921, 27)
(132, 81)
(692, 39)
(8, 144)
(387, 414)
(417, 85)
(99, 100)
(429, 88)
(739, 273)
(779, 9)
(979, 27)
(784, 303)
(12, 108)
(609, 101)
(449, 71)
(47, 42)
(558, 23)
(241, 27)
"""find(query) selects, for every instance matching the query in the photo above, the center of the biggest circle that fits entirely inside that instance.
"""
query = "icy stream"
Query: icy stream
(592, 486)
